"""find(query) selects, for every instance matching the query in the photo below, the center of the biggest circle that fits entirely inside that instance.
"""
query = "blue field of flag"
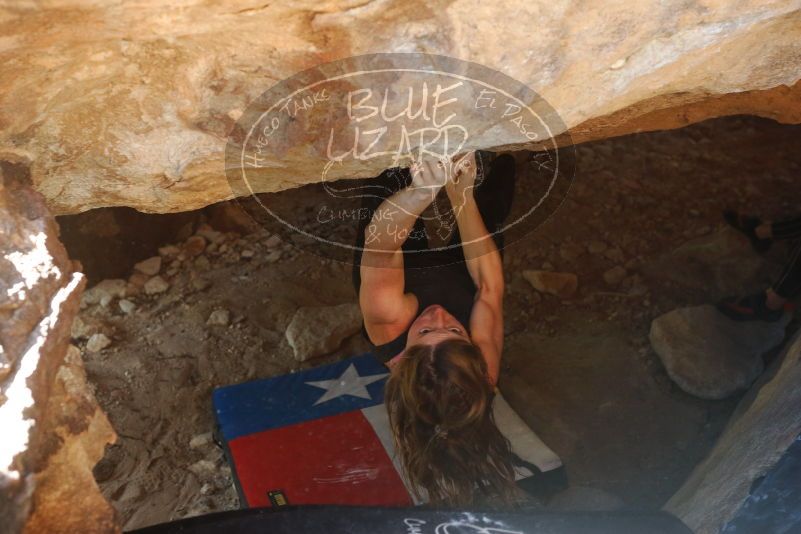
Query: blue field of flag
(261, 405)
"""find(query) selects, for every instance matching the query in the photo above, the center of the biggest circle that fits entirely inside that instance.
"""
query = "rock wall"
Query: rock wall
(53, 431)
(120, 105)
(768, 422)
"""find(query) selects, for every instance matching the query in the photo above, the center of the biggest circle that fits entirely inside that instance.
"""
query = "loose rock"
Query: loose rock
(169, 251)
(84, 327)
(213, 236)
(104, 292)
(273, 241)
(563, 285)
(97, 343)
(150, 266)
(127, 306)
(156, 285)
(200, 440)
(195, 245)
(203, 468)
(709, 355)
(219, 318)
(316, 331)
(138, 280)
(273, 256)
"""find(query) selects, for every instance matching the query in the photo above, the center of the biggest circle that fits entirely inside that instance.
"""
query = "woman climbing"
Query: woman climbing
(435, 316)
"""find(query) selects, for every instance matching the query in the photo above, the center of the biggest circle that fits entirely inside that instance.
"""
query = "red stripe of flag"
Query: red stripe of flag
(331, 460)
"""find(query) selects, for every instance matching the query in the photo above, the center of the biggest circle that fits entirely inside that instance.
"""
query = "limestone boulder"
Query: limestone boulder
(764, 426)
(67, 498)
(719, 264)
(710, 356)
(120, 105)
(315, 331)
(53, 432)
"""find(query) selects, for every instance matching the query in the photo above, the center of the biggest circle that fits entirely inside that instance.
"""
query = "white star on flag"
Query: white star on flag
(349, 383)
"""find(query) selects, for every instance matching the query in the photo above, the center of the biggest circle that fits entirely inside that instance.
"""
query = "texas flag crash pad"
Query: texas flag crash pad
(321, 436)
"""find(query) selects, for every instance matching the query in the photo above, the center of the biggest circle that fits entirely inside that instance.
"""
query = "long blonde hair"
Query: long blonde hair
(439, 401)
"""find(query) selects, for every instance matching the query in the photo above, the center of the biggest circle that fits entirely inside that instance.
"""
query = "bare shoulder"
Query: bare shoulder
(393, 325)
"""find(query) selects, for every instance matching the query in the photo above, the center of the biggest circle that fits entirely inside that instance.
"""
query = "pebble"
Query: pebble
(104, 291)
(156, 285)
(195, 245)
(203, 468)
(126, 306)
(246, 254)
(219, 318)
(150, 266)
(272, 257)
(80, 329)
(132, 290)
(210, 234)
(97, 342)
(169, 250)
(138, 280)
(200, 440)
(615, 275)
(273, 241)
(563, 285)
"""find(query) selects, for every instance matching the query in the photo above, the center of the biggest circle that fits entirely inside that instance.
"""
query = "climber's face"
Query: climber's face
(435, 325)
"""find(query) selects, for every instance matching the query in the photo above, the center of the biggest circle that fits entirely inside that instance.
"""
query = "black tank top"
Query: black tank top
(450, 286)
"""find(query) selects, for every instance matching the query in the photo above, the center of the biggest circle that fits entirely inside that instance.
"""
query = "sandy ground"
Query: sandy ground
(579, 371)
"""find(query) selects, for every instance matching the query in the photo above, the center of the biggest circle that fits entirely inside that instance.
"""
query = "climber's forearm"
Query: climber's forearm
(483, 259)
(394, 219)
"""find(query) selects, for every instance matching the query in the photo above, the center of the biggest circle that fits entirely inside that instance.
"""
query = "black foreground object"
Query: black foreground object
(362, 520)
